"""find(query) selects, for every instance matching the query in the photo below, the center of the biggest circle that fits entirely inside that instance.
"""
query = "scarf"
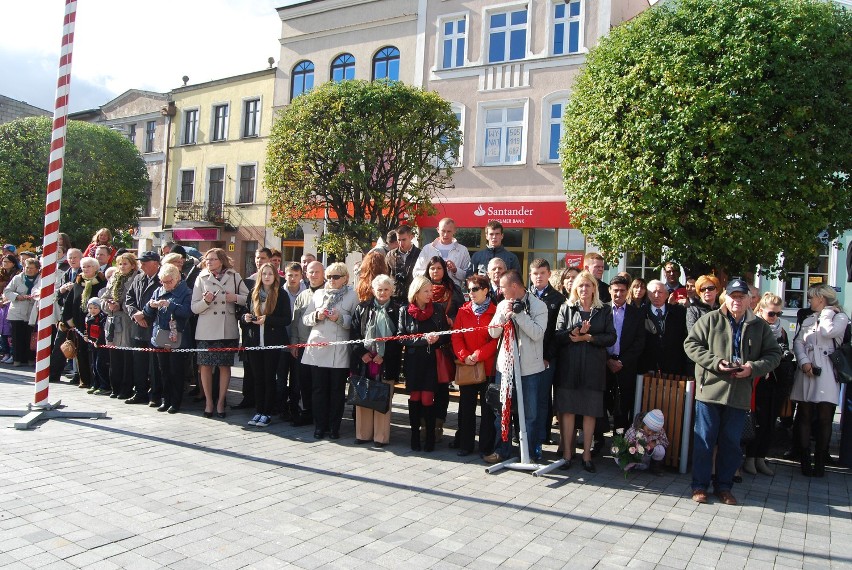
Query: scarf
(776, 328)
(263, 294)
(87, 290)
(421, 314)
(378, 326)
(509, 366)
(118, 286)
(479, 310)
(440, 293)
(29, 282)
(333, 297)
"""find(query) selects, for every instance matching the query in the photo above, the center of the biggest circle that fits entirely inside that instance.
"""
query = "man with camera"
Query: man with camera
(730, 347)
(528, 317)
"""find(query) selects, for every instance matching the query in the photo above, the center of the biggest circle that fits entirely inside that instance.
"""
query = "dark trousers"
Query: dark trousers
(305, 381)
(100, 367)
(621, 392)
(21, 334)
(329, 392)
(121, 372)
(84, 362)
(442, 400)
(248, 383)
(171, 372)
(146, 376)
(264, 364)
(466, 434)
(287, 385)
(57, 359)
(765, 413)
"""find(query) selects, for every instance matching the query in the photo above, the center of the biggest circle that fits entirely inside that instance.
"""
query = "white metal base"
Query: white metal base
(34, 414)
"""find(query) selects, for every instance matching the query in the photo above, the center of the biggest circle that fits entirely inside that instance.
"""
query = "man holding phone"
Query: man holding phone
(730, 347)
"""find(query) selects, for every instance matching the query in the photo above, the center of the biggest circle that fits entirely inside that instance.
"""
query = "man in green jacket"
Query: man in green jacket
(730, 347)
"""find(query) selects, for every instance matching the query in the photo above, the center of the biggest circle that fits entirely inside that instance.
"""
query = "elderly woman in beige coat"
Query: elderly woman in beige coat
(329, 315)
(215, 296)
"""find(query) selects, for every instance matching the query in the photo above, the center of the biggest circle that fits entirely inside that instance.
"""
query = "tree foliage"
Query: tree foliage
(103, 185)
(715, 132)
(366, 152)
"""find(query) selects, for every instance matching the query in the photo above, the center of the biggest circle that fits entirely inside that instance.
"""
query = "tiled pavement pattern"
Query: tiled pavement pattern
(143, 489)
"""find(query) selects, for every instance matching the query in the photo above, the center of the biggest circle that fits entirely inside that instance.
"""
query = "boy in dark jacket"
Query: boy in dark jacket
(95, 328)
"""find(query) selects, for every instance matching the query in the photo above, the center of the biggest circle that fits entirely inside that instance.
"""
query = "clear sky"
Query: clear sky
(121, 45)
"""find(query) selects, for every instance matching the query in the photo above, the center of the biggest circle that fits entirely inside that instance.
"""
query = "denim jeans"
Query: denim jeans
(716, 424)
(536, 392)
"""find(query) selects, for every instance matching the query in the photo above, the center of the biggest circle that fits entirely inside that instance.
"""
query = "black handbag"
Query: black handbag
(367, 392)
(749, 432)
(841, 360)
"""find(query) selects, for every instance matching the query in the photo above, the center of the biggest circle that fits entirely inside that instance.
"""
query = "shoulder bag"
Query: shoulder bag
(366, 392)
(467, 374)
(841, 360)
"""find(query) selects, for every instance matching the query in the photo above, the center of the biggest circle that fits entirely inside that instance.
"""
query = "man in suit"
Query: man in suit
(623, 356)
(146, 376)
(665, 331)
(496, 269)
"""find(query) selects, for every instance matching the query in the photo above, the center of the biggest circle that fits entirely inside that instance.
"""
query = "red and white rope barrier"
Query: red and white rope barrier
(52, 207)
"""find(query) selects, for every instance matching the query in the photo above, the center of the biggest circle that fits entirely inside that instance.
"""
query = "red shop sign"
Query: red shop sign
(510, 214)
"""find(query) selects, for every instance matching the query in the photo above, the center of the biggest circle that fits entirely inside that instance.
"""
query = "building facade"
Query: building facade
(11, 109)
(217, 148)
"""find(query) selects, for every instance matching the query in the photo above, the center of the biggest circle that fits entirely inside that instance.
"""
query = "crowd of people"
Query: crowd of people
(577, 344)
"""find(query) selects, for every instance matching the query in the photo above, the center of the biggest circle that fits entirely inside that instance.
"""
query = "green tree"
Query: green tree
(103, 185)
(366, 153)
(715, 132)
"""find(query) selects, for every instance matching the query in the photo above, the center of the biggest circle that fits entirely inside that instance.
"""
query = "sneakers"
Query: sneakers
(263, 421)
(6, 360)
(253, 421)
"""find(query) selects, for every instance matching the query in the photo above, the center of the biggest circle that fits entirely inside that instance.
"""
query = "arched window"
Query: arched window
(386, 64)
(302, 78)
(343, 67)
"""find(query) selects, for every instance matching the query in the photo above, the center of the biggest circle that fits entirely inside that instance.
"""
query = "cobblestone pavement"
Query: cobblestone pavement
(143, 489)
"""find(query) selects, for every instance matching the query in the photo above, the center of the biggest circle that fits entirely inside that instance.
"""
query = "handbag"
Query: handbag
(749, 432)
(34, 341)
(468, 374)
(240, 310)
(372, 393)
(841, 361)
(446, 365)
(162, 339)
(69, 348)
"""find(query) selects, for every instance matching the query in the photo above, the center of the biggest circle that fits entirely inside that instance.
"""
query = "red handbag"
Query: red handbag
(446, 364)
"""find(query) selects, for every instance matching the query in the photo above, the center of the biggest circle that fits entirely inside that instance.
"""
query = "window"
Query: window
(132, 134)
(799, 279)
(302, 79)
(637, 264)
(216, 186)
(247, 183)
(507, 36)
(504, 139)
(567, 27)
(251, 118)
(145, 212)
(386, 64)
(187, 185)
(454, 34)
(150, 131)
(343, 67)
(553, 133)
(458, 111)
(249, 249)
(190, 126)
(220, 122)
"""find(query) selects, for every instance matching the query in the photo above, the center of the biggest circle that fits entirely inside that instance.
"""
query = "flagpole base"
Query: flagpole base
(46, 411)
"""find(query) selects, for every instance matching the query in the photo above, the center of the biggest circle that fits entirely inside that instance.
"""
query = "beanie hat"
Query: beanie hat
(95, 301)
(654, 420)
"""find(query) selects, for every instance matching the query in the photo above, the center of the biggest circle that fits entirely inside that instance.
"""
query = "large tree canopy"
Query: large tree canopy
(368, 153)
(715, 132)
(103, 180)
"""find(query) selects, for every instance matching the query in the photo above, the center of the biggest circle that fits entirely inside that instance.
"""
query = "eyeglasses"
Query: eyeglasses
(475, 289)
(335, 277)
(773, 314)
(708, 288)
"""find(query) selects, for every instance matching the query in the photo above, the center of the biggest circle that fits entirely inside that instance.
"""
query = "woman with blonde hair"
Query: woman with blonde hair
(815, 388)
(118, 330)
(584, 330)
(329, 314)
(102, 237)
(215, 296)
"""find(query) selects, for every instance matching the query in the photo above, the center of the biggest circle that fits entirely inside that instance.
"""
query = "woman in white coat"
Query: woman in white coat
(215, 296)
(329, 315)
(815, 389)
(22, 293)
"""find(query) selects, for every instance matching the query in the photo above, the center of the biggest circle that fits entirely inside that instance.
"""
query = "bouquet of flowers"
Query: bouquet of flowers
(628, 454)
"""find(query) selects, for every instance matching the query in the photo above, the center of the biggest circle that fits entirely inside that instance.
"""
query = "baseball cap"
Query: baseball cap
(737, 286)
(150, 256)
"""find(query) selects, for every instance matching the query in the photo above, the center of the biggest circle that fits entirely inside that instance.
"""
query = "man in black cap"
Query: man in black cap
(146, 376)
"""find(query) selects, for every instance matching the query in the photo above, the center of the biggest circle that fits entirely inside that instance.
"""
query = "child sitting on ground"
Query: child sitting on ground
(649, 428)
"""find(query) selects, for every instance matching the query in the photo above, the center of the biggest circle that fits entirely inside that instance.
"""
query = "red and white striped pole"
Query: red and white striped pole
(52, 207)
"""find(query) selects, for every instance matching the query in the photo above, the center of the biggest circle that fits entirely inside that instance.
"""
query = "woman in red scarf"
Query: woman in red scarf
(422, 316)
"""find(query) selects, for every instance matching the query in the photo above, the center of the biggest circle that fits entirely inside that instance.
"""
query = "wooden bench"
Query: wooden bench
(674, 396)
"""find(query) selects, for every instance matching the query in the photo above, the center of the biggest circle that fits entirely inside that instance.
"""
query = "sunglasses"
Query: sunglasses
(708, 288)
(774, 314)
(335, 277)
(475, 289)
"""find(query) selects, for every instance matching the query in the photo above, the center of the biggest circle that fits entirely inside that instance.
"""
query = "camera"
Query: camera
(816, 370)
(253, 318)
(518, 307)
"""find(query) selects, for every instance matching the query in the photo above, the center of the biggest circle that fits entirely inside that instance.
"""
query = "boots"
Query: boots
(762, 467)
(439, 429)
(748, 466)
(429, 416)
(414, 412)
(807, 470)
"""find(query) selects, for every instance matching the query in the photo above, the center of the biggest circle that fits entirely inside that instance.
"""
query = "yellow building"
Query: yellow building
(217, 150)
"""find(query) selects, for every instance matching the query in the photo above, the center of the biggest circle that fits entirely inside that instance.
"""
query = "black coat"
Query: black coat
(582, 365)
(403, 273)
(664, 348)
(137, 297)
(632, 340)
(554, 301)
(73, 310)
(360, 318)
(275, 328)
(421, 372)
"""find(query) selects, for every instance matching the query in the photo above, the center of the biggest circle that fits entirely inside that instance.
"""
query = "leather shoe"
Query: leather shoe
(173, 409)
(243, 405)
(334, 435)
(565, 466)
(153, 404)
(135, 400)
(493, 458)
(589, 466)
(699, 496)
(463, 452)
(301, 421)
(319, 434)
(163, 408)
(726, 497)
(361, 441)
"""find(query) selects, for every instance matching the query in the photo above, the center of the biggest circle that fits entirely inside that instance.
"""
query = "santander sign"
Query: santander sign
(510, 214)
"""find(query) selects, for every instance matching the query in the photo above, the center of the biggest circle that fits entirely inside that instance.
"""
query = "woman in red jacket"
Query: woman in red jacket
(473, 347)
